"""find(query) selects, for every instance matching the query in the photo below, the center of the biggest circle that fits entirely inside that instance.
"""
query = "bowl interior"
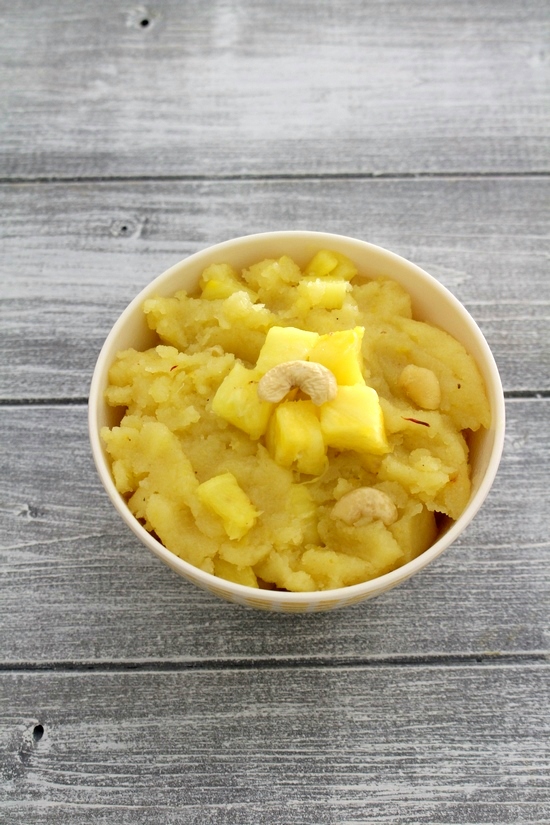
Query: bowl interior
(431, 302)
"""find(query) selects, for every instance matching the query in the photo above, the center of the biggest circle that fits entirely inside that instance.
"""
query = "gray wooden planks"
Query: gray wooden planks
(74, 255)
(224, 88)
(78, 587)
(294, 745)
(172, 126)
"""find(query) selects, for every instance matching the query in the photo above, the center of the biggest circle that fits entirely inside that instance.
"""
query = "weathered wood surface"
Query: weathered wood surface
(232, 88)
(312, 745)
(78, 587)
(74, 255)
(132, 136)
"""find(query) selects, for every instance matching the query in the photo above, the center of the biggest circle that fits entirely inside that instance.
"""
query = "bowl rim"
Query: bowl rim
(277, 598)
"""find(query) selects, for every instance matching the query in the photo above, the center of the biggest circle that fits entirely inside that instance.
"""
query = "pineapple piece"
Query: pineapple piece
(294, 437)
(222, 495)
(221, 281)
(236, 400)
(214, 290)
(329, 293)
(285, 344)
(354, 421)
(341, 353)
(328, 262)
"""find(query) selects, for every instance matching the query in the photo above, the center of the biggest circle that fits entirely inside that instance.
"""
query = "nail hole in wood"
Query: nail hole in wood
(38, 733)
(144, 23)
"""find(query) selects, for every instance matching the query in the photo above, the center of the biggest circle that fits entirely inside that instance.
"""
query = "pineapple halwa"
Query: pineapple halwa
(248, 470)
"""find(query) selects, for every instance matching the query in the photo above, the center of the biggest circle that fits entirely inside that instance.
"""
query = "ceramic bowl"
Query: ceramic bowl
(431, 302)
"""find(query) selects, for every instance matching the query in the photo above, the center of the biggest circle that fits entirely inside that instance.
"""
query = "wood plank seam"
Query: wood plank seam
(533, 658)
(289, 176)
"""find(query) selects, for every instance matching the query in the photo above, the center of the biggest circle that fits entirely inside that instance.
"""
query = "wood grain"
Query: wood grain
(78, 587)
(378, 745)
(233, 88)
(74, 255)
(134, 134)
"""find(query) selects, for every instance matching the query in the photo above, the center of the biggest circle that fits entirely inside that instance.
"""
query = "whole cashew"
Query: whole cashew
(314, 379)
(365, 502)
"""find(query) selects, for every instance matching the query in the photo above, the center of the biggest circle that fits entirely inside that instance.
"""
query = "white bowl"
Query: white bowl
(431, 302)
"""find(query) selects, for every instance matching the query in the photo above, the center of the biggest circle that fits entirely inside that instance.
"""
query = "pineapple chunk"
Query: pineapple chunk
(341, 353)
(327, 262)
(221, 281)
(222, 495)
(236, 400)
(329, 293)
(354, 421)
(215, 289)
(294, 437)
(285, 344)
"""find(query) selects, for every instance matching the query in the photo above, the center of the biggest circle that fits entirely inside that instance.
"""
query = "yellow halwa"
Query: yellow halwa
(244, 487)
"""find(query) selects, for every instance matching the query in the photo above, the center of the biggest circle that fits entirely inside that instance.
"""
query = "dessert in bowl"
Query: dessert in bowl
(296, 421)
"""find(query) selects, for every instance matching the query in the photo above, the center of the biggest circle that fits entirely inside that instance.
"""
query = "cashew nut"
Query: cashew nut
(365, 502)
(421, 386)
(314, 379)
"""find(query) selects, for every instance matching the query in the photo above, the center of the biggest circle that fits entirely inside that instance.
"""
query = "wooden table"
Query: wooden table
(133, 136)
